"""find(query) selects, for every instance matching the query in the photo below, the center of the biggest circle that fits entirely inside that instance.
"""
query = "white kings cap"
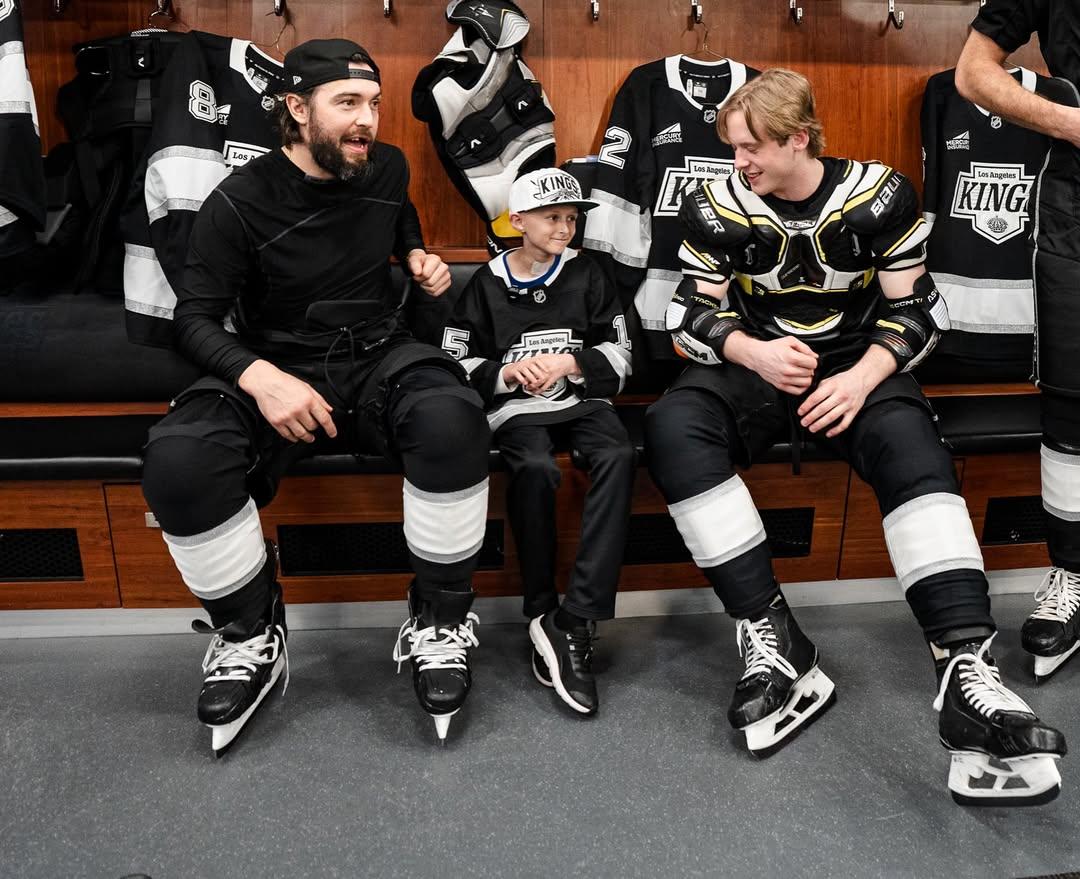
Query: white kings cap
(545, 188)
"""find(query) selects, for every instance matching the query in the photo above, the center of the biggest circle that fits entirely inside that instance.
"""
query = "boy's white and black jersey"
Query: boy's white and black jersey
(571, 309)
(212, 115)
(660, 143)
(807, 269)
(22, 180)
(979, 173)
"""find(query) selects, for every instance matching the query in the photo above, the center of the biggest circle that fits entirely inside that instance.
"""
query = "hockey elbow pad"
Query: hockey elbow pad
(911, 326)
(698, 324)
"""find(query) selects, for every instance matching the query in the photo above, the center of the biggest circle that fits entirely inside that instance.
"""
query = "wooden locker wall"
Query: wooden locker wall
(869, 76)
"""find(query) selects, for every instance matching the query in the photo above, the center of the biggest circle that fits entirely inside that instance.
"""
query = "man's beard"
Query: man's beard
(329, 154)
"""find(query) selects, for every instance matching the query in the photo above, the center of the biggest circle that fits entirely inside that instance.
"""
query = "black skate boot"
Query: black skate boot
(244, 660)
(439, 633)
(1002, 754)
(782, 689)
(1052, 633)
(568, 660)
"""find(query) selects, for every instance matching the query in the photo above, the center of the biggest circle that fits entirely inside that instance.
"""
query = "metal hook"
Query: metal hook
(796, 11)
(279, 8)
(164, 7)
(387, 8)
(594, 8)
(896, 18)
(696, 12)
(60, 6)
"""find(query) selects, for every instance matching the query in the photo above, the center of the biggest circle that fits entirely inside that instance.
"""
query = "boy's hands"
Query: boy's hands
(538, 374)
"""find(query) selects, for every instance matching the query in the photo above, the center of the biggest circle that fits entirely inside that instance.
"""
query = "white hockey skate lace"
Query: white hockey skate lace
(436, 646)
(238, 660)
(980, 684)
(1058, 596)
(757, 643)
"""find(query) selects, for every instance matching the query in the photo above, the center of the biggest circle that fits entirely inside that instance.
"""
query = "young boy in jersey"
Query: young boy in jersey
(544, 341)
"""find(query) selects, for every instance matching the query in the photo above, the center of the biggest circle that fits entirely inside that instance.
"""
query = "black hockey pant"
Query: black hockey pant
(893, 445)
(601, 439)
(208, 456)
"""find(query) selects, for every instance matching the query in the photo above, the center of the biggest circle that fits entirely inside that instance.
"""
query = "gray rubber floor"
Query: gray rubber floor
(105, 771)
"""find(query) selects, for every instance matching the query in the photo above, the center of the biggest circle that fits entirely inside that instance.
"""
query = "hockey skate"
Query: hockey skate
(241, 665)
(1052, 633)
(1002, 754)
(782, 689)
(567, 658)
(436, 638)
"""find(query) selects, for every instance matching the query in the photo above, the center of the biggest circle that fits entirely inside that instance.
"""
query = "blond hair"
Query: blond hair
(777, 104)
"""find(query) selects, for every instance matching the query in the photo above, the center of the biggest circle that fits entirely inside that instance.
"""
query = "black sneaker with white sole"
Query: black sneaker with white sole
(568, 656)
(540, 670)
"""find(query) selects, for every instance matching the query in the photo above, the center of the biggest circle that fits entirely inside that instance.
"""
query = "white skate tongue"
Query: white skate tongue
(757, 643)
(980, 684)
(1058, 596)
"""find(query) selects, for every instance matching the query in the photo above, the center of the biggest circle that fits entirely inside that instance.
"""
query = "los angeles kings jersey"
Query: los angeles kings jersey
(660, 143)
(979, 173)
(571, 309)
(22, 180)
(807, 269)
(211, 117)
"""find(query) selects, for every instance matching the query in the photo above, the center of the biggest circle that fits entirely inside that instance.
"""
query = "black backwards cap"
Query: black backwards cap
(317, 61)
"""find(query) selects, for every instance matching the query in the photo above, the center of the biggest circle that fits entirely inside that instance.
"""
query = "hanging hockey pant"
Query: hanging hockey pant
(213, 461)
(691, 438)
(1052, 633)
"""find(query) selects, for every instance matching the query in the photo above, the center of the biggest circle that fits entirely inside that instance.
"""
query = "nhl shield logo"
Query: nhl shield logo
(539, 297)
(994, 199)
(995, 122)
(709, 116)
(267, 103)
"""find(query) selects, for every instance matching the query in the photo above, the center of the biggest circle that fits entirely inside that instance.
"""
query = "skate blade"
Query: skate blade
(810, 697)
(543, 646)
(442, 725)
(222, 735)
(981, 780)
(1045, 666)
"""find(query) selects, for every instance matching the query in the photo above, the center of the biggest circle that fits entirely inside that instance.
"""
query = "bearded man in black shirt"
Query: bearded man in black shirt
(287, 303)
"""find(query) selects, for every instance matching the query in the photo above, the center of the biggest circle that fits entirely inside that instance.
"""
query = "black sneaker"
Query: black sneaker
(540, 669)
(570, 655)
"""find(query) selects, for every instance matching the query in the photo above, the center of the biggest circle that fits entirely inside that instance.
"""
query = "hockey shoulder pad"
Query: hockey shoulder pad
(884, 207)
(910, 327)
(699, 324)
(499, 23)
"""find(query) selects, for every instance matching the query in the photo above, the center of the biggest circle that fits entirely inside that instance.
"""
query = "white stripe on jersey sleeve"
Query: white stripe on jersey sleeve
(617, 227)
(180, 178)
(619, 359)
(654, 296)
(6, 217)
(16, 90)
(146, 290)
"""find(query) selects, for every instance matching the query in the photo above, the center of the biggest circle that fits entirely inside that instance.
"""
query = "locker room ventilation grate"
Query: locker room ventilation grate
(653, 538)
(363, 548)
(1014, 520)
(39, 554)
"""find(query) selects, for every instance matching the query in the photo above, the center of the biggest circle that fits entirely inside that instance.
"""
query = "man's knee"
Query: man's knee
(901, 455)
(687, 443)
(191, 484)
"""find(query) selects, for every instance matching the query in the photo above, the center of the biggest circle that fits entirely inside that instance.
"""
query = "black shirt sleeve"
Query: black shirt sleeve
(1010, 23)
(605, 360)
(219, 260)
(409, 236)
